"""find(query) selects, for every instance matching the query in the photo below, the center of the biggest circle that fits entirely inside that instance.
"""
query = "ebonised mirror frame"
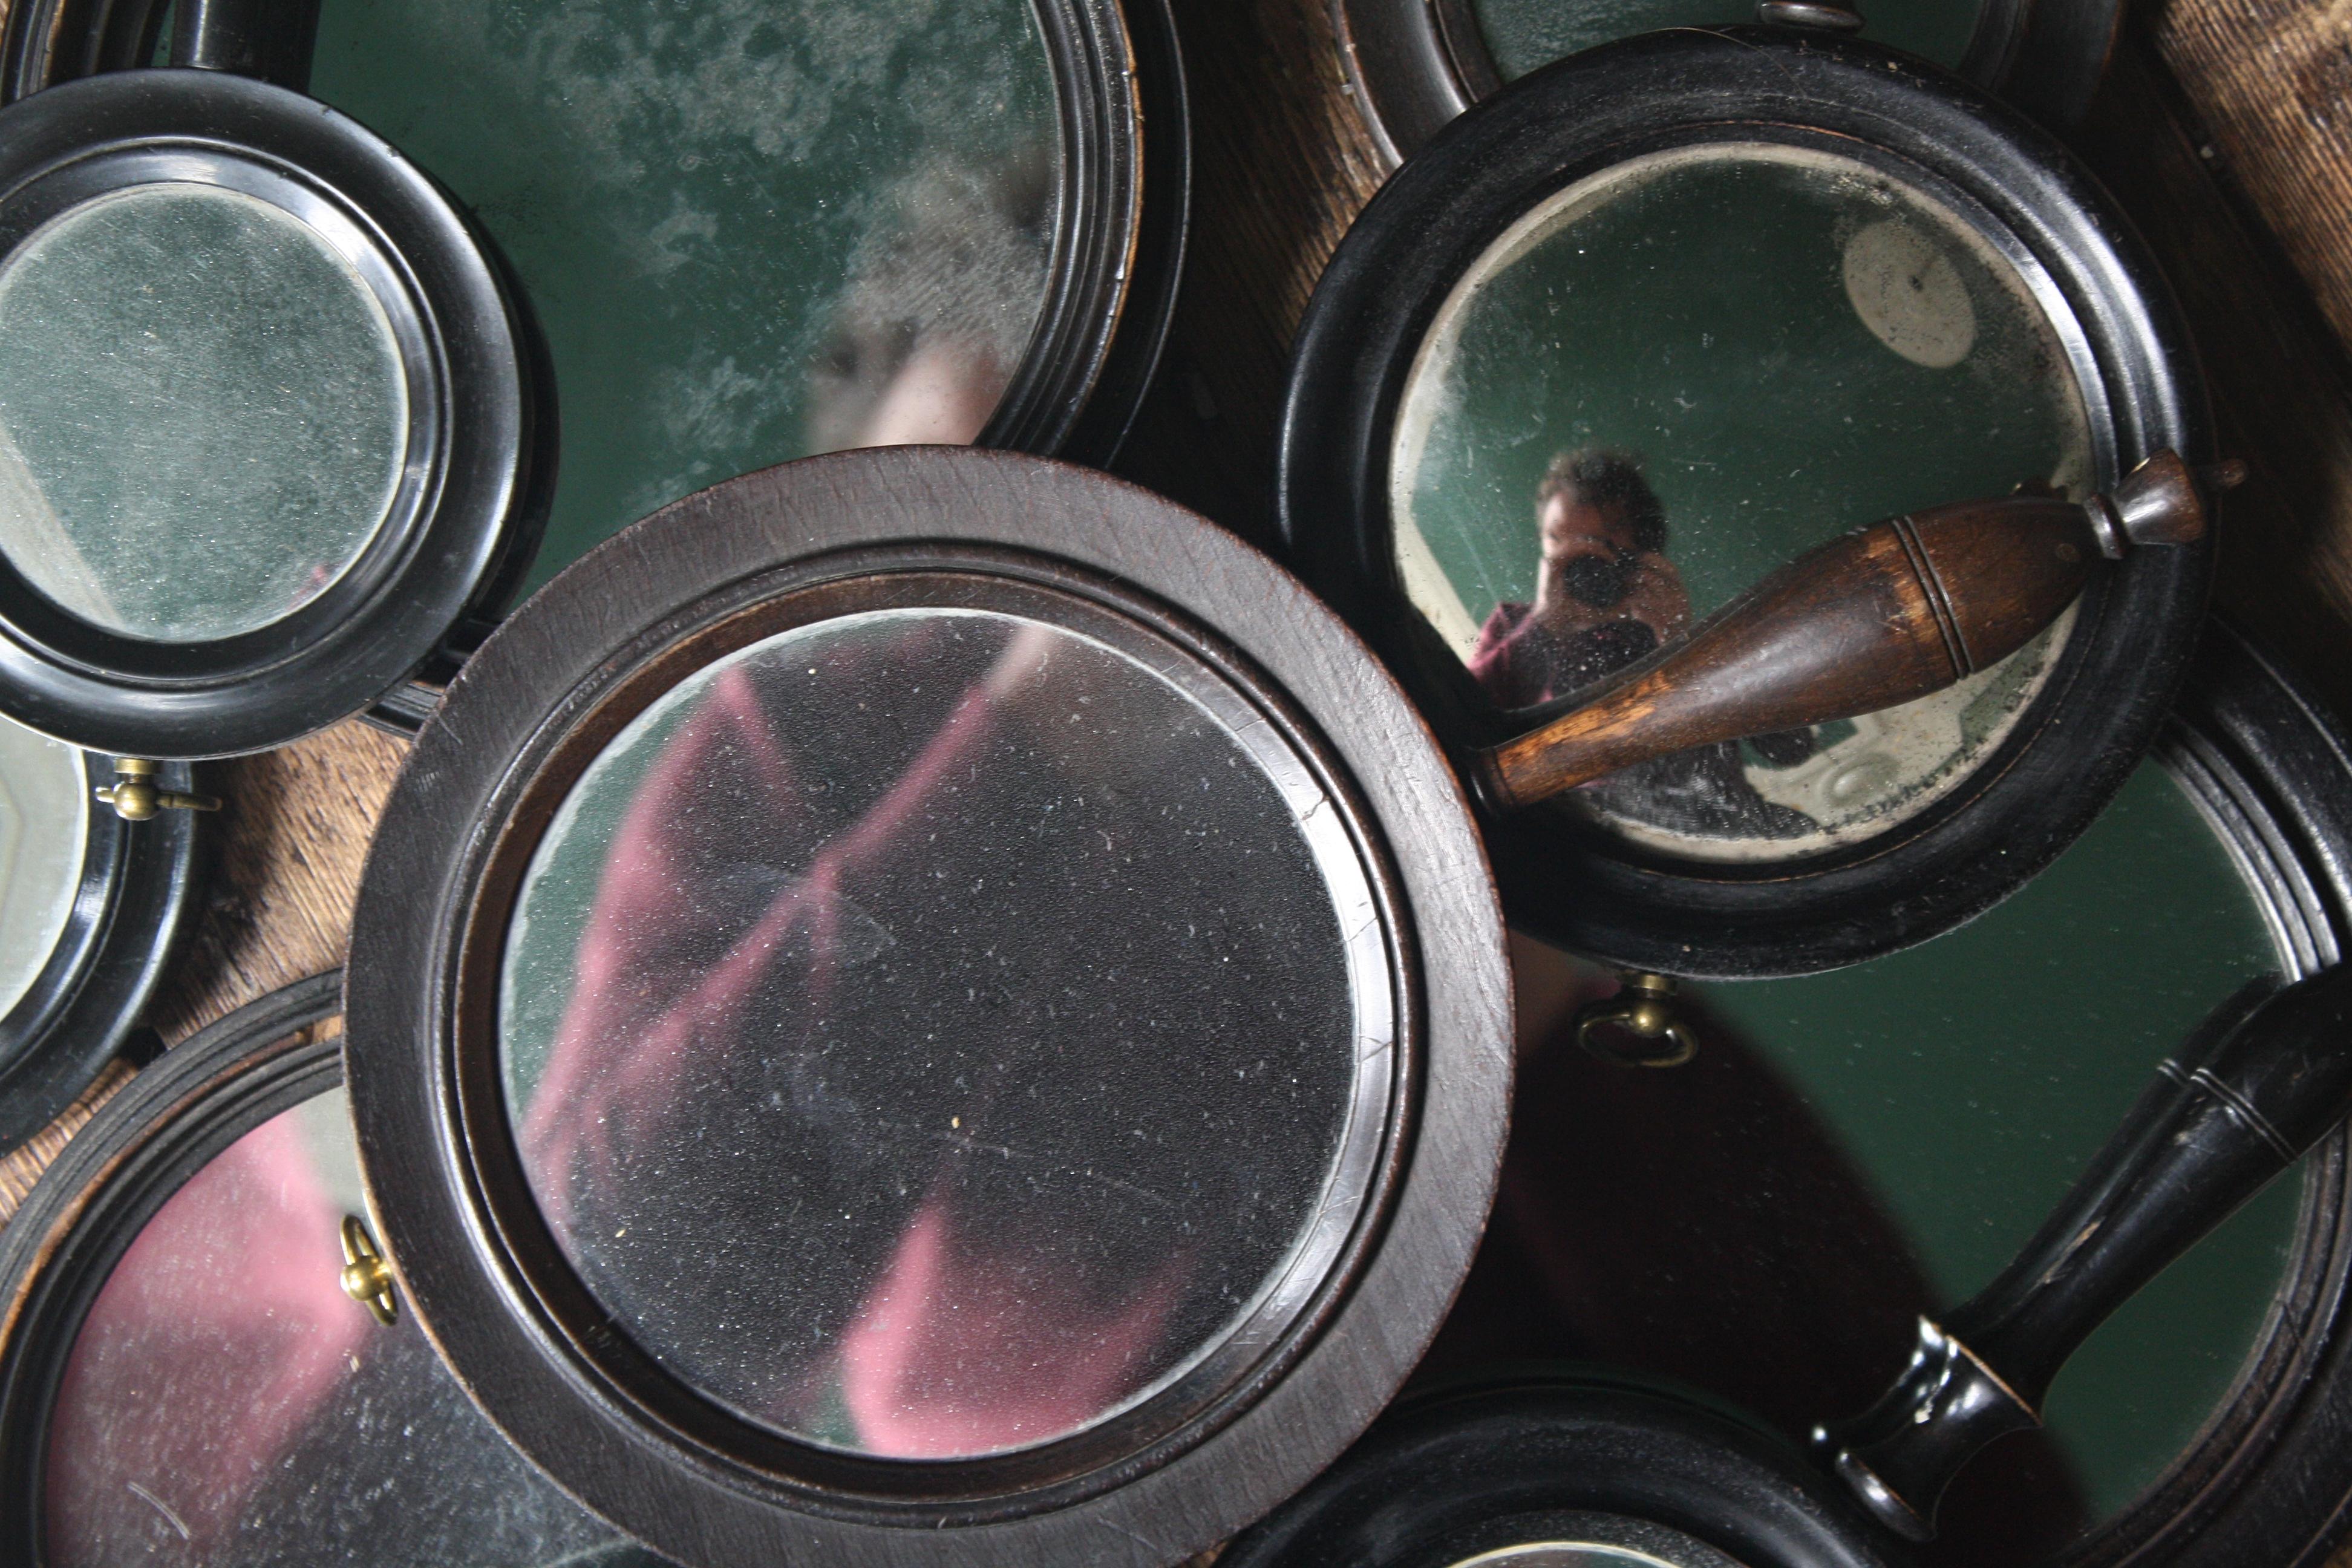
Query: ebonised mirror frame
(2071, 746)
(1415, 64)
(825, 537)
(139, 893)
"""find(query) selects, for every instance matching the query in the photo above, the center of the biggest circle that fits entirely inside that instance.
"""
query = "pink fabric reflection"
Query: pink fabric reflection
(955, 1351)
(956, 1355)
(220, 1333)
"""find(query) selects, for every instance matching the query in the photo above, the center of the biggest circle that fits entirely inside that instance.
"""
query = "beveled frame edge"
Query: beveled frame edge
(60, 1248)
(571, 1321)
(1391, 274)
(2265, 1478)
(1412, 65)
(136, 903)
(1156, 256)
(1100, 132)
(428, 566)
(1571, 1438)
(394, 1049)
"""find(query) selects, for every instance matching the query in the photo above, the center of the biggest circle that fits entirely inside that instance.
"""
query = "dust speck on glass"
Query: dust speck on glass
(930, 1032)
(1525, 34)
(225, 1403)
(43, 832)
(1678, 374)
(203, 415)
(750, 229)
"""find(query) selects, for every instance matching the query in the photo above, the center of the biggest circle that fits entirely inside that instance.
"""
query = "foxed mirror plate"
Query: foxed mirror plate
(748, 231)
(1677, 375)
(44, 837)
(204, 411)
(932, 1031)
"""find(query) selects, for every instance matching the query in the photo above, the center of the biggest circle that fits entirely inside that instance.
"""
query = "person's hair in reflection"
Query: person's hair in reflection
(943, 293)
(1606, 597)
(1605, 593)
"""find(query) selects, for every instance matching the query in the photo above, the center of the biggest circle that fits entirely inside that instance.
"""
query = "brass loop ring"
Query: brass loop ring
(1642, 1011)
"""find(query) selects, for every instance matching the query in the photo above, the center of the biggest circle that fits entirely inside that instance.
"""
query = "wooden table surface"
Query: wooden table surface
(2225, 126)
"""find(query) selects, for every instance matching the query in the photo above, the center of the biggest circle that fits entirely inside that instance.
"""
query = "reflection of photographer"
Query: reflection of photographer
(1606, 596)
(1605, 593)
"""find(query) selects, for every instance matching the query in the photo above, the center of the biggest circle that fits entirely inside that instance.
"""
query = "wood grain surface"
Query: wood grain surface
(2225, 127)
(2280, 378)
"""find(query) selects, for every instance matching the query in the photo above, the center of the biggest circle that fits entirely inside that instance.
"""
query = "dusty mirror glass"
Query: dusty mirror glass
(203, 415)
(1680, 374)
(44, 834)
(932, 1031)
(225, 1404)
(750, 229)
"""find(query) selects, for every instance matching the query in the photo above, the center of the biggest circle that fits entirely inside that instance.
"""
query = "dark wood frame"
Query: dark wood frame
(430, 901)
(136, 902)
(1415, 65)
(1481, 1467)
(87, 1209)
(541, 777)
(422, 594)
(1593, 892)
(472, 492)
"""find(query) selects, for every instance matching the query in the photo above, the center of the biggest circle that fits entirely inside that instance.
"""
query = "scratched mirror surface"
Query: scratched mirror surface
(203, 415)
(932, 1032)
(750, 230)
(1527, 34)
(44, 834)
(225, 1403)
(1850, 1149)
(1679, 374)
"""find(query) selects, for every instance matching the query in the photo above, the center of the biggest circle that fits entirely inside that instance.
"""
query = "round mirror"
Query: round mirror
(1034, 943)
(1591, 373)
(189, 1381)
(91, 909)
(202, 413)
(942, 1040)
(494, 284)
(1679, 374)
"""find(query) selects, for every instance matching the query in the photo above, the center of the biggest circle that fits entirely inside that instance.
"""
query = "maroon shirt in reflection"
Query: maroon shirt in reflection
(215, 1339)
(1520, 663)
(962, 1344)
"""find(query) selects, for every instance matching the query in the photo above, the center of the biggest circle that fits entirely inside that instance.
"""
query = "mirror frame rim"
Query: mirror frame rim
(1584, 889)
(418, 894)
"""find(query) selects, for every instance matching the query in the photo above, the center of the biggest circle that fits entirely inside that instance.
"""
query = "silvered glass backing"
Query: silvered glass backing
(930, 1032)
(204, 411)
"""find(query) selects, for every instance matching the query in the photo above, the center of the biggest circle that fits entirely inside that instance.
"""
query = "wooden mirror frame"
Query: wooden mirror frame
(137, 900)
(1414, 66)
(459, 1223)
(1590, 890)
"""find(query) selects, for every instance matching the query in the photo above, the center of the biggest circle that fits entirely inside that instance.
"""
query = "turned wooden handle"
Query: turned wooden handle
(2267, 1078)
(1892, 612)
